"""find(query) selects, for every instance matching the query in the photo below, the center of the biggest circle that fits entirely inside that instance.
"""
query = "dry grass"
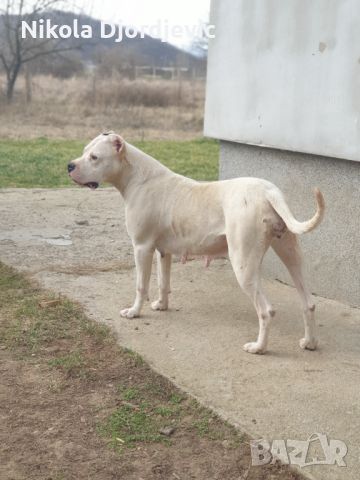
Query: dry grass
(81, 107)
(142, 92)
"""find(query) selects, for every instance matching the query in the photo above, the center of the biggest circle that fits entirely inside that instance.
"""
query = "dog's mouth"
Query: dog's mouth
(91, 185)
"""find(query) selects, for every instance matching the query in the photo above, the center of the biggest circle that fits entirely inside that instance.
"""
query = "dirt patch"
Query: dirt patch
(76, 406)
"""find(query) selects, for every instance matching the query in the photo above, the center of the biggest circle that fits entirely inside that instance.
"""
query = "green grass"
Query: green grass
(130, 393)
(29, 326)
(142, 416)
(203, 424)
(71, 364)
(42, 162)
(128, 426)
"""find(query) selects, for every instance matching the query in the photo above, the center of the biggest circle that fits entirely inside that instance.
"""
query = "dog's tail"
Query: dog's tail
(275, 197)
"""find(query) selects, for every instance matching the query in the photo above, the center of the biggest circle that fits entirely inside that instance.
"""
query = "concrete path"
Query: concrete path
(74, 241)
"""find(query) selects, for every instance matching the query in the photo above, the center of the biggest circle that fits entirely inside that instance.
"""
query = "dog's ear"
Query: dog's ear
(118, 143)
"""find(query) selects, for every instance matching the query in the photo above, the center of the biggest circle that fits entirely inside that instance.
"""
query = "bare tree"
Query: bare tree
(15, 51)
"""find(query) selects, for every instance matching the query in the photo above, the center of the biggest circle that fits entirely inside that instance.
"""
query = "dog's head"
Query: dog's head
(101, 161)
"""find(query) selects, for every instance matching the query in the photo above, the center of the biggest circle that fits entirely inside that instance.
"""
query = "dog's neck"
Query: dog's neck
(138, 168)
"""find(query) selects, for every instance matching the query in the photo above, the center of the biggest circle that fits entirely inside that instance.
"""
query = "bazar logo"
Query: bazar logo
(296, 452)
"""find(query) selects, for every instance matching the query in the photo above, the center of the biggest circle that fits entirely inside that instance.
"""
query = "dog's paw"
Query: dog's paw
(308, 344)
(254, 347)
(159, 305)
(129, 313)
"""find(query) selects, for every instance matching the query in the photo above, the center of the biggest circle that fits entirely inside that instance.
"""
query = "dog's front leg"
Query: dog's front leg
(163, 266)
(143, 261)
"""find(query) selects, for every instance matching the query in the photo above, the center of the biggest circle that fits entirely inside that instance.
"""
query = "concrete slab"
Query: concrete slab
(286, 394)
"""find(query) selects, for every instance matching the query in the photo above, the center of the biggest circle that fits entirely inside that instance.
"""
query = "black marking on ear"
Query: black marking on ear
(106, 133)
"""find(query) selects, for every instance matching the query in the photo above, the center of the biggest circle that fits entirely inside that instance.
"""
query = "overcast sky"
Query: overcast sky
(150, 12)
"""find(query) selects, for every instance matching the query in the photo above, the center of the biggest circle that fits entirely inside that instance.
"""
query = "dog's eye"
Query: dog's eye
(93, 157)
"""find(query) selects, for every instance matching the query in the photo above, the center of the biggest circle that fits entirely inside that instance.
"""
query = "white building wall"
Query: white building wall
(286, 74)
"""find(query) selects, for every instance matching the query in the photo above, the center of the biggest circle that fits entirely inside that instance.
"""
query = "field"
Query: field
(164, 118)
(42, 162)
(82, 107)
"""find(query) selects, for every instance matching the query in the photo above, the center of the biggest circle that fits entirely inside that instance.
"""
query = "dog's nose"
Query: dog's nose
(71, 167)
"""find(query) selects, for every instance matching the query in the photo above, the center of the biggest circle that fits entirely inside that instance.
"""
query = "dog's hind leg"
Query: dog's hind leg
(246, 254)
(288, 249)
(163, 272)
(143, 261)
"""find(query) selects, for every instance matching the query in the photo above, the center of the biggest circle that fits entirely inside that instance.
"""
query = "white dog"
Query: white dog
(172, 214)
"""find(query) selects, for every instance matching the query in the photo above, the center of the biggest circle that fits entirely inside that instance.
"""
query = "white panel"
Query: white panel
(286, 74)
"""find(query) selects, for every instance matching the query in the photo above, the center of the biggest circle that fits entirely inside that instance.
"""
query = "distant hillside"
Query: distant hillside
(145, 51)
